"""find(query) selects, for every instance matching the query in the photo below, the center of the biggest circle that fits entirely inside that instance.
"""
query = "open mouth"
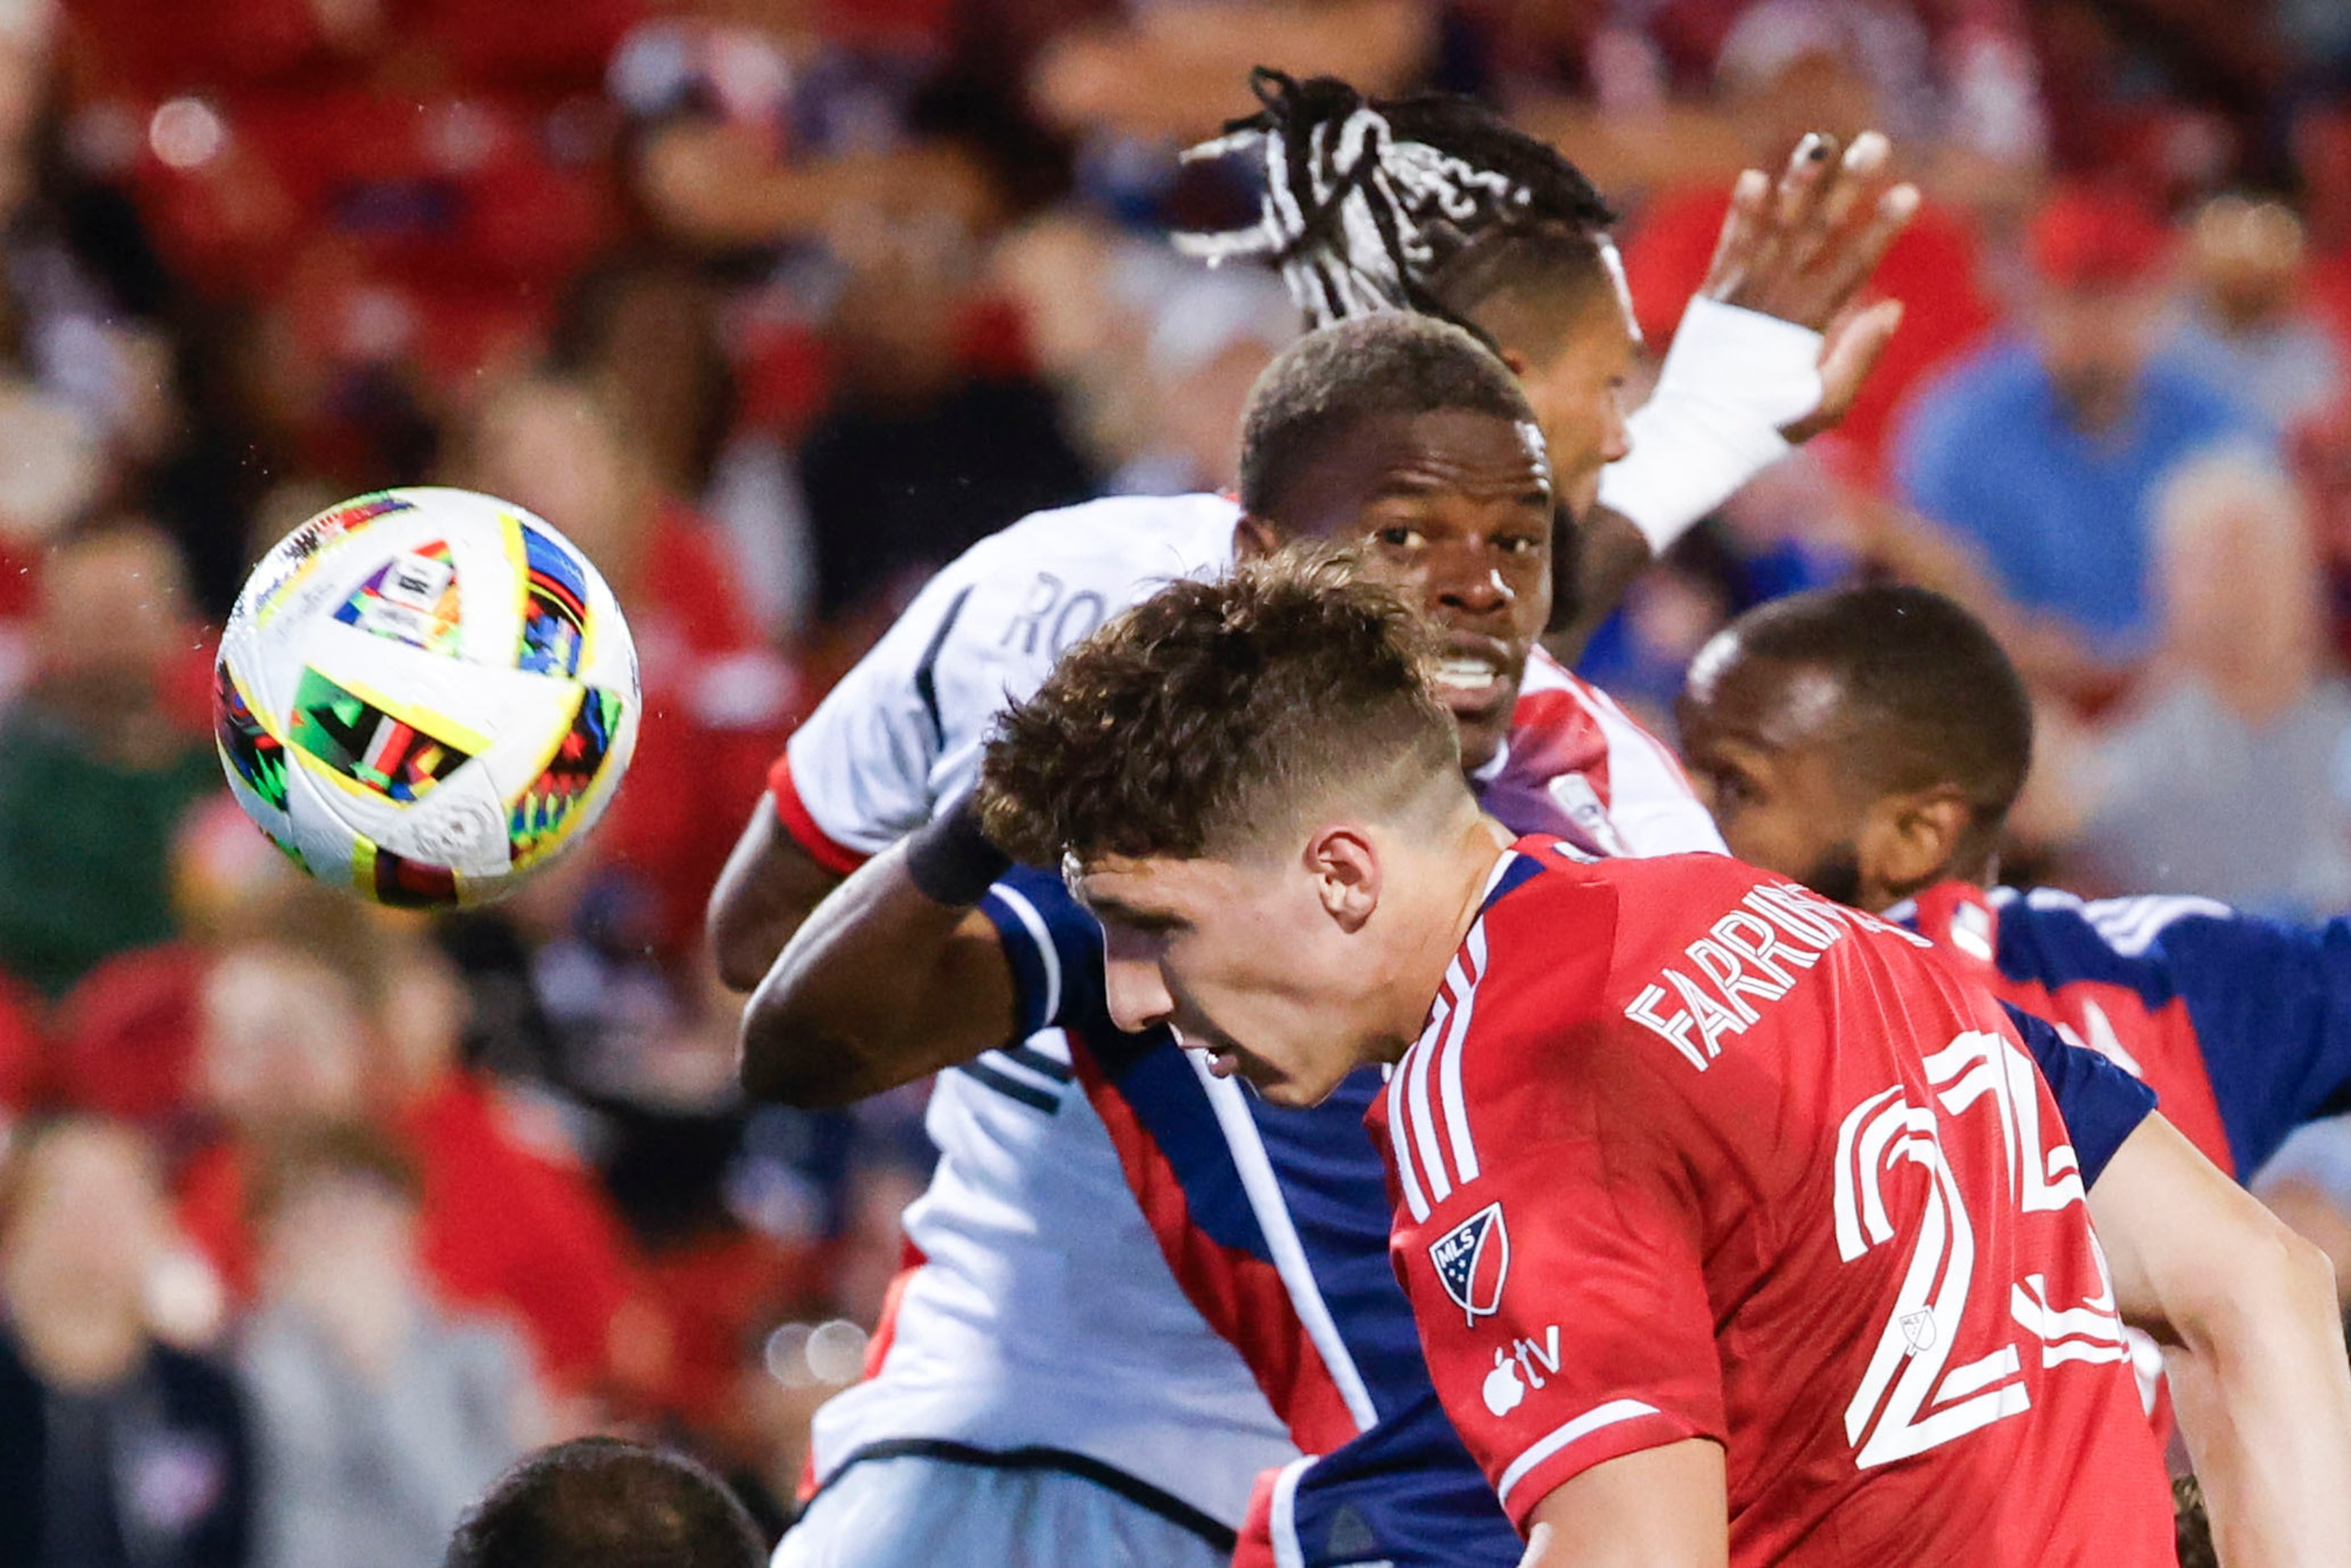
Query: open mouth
(1469, 674)
(1472, 675)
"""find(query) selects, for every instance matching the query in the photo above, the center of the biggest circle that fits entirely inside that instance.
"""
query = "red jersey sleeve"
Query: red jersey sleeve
(1548, 1234)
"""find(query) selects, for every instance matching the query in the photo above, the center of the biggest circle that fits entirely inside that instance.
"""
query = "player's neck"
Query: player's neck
(1979, 871)
(1459, 871)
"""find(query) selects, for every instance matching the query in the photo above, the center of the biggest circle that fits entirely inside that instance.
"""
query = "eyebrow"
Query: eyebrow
(1412, 486)
(1408, 485)
(1112, 911)
(1098, 904)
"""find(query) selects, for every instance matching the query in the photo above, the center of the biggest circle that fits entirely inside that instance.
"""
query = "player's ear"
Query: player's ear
(1253, 536)
(1915, 837)
(1347, 875)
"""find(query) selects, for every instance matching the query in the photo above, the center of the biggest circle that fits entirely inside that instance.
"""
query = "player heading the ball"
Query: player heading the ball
(1739, 1225)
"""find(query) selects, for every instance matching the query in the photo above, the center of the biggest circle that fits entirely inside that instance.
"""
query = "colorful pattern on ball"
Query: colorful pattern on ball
(249, 748)
(555, 608)
(411, 598)
(424, 695)
(543, 814)
(359, 740)
(398, 881)
(306, 544)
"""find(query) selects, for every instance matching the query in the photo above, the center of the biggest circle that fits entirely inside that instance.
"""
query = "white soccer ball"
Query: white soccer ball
(425, 695)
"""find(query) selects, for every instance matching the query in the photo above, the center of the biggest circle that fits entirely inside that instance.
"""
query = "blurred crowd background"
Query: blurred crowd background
(315, 1217)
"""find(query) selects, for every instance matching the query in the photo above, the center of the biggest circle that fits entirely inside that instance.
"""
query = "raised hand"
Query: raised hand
(1803, 249)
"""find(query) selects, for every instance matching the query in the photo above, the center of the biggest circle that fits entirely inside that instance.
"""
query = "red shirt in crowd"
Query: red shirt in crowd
(502, 1228)
(717, 702)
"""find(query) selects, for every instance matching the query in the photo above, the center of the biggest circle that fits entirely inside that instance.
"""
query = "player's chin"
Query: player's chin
(1268, 1083)
(1290, 1091)
(1484, 723)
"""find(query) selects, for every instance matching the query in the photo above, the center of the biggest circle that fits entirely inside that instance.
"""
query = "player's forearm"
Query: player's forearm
(2264, 1403)
(769, 887)
(2247, 1309)
(878, 986)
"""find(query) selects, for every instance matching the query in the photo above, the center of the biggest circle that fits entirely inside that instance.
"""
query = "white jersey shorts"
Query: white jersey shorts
(921, 1510)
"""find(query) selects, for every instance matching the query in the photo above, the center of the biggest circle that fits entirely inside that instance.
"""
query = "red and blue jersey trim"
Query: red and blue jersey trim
(2241, 1024)
(1275, 1223)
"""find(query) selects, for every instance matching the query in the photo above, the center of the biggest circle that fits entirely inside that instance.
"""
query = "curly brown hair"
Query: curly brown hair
(1209, 716)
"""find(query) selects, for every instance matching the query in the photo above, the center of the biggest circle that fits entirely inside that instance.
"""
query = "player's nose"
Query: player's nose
(1138, 994)
(1616, 442)
(1463, 581)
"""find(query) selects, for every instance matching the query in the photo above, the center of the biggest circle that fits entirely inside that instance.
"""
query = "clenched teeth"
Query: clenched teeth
(1470, 675)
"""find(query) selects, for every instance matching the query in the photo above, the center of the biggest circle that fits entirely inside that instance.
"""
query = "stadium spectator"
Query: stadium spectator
(1092, 298)
(1164, 71)
(2322, 453)
(116, 1450)
(599, 1502)
(2246, 327)
(717, 698)
(936, 436)
(283, 1042)
(125, 1039)
(645, 328)
(1209, 336)
(2322, 142)
(2047, 451)
(83, 285)
(377, 1415)
(2229, 773)
(550, 1251)
(98, 759)
(325, 1017)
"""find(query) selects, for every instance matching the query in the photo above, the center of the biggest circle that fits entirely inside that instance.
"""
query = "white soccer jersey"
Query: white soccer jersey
(1042, 1312)
(902, 732)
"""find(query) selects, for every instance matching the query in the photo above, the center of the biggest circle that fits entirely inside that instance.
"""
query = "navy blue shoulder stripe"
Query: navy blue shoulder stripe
(1522, 869)
(926, 678)
(1012, 1088)
(2102, 1105)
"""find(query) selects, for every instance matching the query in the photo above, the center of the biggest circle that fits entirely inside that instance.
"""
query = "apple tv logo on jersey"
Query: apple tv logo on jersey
(1503, 1388)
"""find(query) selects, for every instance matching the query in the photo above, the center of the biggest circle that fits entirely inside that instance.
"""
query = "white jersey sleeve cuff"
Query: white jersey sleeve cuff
(1605, 1432)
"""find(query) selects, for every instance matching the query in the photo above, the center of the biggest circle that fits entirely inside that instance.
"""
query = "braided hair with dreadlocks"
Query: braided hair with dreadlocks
(1418, 203)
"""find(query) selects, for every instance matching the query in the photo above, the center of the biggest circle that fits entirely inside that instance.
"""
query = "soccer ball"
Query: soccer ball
(423, 695)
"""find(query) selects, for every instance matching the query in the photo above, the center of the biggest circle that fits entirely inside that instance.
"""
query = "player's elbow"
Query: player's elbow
(2306, 1274)
(793, 1056)
(768, 888)
(748, 925)
(784, 1060)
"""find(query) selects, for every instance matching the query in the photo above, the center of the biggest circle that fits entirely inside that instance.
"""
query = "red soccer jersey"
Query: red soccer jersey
(1687, 1151)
